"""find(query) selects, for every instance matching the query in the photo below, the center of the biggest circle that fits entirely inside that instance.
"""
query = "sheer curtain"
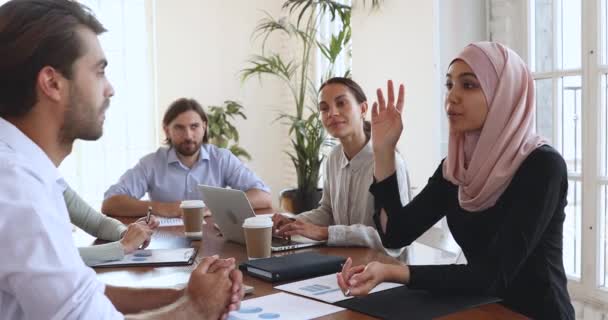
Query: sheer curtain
(130, 125)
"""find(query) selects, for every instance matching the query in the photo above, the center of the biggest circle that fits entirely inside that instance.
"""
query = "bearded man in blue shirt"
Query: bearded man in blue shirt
(173, 172)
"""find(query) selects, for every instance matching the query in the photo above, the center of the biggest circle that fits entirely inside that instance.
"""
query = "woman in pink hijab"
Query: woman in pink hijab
(502, 189)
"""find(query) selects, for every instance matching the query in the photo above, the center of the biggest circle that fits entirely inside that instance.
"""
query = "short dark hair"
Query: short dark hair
(35, 34)
(357, 92)
(180, 106)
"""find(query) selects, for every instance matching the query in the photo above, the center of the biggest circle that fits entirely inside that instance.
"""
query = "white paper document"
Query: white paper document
(172, 222)
(282, 306)
(153, 257)
(325, 288)
(156, 279)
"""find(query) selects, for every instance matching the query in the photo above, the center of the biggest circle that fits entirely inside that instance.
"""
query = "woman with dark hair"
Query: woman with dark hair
(344, 215)
(502, 189)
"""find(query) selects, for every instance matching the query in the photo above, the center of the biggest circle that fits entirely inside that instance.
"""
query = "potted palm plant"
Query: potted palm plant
(301, 24)
(222, 132)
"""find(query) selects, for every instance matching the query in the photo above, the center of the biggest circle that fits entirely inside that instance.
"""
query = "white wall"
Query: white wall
(508, 24)
(202, 45)
(400, 42)
(413, 42)
(460, 23)
(200, 48)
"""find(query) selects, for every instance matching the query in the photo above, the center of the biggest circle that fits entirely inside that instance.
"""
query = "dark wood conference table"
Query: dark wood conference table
(212, 243)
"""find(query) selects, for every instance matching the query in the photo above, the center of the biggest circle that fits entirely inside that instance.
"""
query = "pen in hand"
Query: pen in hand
(148, 215)
(347, 293)
(345, 275)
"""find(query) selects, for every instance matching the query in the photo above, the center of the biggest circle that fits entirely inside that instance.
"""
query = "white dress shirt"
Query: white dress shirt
(41, 274)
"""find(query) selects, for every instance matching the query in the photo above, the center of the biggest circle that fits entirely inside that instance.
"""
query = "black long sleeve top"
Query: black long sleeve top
(513, 249)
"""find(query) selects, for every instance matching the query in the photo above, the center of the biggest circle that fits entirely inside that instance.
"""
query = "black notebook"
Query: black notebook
(404, 303)
(293, 267)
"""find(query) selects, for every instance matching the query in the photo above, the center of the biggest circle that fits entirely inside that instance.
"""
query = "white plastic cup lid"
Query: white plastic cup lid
(258, 222)
(192, 204)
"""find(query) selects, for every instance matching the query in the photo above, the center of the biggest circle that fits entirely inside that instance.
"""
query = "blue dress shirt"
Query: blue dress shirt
(166, 179)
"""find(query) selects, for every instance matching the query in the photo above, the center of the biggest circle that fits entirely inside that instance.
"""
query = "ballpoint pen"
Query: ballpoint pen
(148, 215)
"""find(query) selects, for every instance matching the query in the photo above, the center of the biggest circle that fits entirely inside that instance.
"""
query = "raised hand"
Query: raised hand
(387, 126)
(386, 119)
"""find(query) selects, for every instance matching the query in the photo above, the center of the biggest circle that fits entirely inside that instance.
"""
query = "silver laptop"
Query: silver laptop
(230, 208)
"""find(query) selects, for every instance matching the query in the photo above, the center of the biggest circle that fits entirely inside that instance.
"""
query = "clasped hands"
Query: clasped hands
(215, 288)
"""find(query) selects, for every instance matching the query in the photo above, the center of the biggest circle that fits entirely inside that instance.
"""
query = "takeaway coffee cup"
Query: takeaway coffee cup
(192, 213)
(258, 237)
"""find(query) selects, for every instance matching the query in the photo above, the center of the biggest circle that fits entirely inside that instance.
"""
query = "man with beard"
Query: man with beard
(53, 90)
(173, 173)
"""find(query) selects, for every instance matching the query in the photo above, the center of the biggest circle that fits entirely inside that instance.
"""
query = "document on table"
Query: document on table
(152, 257)
(172, 222)
(325, 288)
(158, 279)
(282, 306)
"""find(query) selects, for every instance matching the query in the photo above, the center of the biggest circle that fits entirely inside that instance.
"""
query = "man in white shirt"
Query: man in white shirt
(53, 90)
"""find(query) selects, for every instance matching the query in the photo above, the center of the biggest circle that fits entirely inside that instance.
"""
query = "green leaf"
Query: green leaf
(221, 131)
(272, 64)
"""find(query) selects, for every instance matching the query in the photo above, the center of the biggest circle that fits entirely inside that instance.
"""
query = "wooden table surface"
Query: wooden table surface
(212, 243)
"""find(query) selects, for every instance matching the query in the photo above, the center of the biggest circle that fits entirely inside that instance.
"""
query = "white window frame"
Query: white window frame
(584, 288)
(74, 166)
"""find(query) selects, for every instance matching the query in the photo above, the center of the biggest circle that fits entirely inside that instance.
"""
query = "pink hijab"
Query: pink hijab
(482, 163)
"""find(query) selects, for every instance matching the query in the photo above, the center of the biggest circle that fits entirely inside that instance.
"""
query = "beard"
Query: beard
(188, 148)
(81, 120)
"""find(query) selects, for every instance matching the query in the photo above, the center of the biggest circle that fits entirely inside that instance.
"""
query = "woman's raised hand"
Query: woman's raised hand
(386, 119)
(386, 130)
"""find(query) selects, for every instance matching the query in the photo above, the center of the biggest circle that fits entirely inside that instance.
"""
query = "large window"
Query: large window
(568, 55)
(130, 125)
(327, 29)
(555, 60)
